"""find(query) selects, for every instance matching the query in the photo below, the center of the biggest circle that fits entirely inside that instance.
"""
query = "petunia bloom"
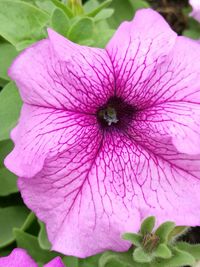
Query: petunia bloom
(196, 9)
(109, 136)
(20, 258)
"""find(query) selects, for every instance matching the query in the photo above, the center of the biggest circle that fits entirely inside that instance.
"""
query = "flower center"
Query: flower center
(109, 115)
(115, 113)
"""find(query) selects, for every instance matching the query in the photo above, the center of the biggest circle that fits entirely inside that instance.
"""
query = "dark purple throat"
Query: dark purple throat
(115, 113)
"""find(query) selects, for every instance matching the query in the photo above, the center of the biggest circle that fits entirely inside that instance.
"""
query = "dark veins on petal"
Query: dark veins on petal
(115, 113)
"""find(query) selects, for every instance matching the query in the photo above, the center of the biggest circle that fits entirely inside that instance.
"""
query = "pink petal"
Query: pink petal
(196, 9)
(71, 81)
(87, 196)
(17, 258)
(171, 98)
(105, 192)
(137, 49)
(43, 133)
(167, 182)
(56, 262)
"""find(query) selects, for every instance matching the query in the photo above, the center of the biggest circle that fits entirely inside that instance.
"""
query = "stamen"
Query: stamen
(115, 112)
(110, 115)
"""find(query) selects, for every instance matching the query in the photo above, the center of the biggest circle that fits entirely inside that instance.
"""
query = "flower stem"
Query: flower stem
(76, 7)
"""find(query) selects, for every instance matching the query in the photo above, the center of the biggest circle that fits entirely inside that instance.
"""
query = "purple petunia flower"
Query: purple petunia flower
(108, 137)
(20, 258)
(196, 9)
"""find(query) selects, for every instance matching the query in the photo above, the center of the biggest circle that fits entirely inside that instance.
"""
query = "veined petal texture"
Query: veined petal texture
(108, 137)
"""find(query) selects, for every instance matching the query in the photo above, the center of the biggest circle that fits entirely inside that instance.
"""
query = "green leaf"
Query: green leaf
(114, 259)
(164, 230)
(24, 44)
(90, 5)
(193, 249)
(179, 258)
(11, 217)
(139, 255)
(87, 42)
(46, 5)
(10, 200)
(192, 33)
(29, 221)
(7, 54)
(5, 147)
(162, 251)
(21, 21)
(193, 30)
(30, 243)
(139, 4)
(10, 105)
(102, 31)
(8, 182)
(104, 14)
(177, 232)
(102, 37)
(125, 10)
(136, 239)
(71, 261)
(147, 225)
(99, 8)
(32, 2)
(60, 5)
(90, 261)
(60, 22)
(81, 29)
(43, 238)
(2, 83)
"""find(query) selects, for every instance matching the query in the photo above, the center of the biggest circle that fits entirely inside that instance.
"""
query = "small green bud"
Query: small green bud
(150, 242)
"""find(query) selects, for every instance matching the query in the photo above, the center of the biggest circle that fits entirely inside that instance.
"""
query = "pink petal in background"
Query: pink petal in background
(196, 9)
(20, 258)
